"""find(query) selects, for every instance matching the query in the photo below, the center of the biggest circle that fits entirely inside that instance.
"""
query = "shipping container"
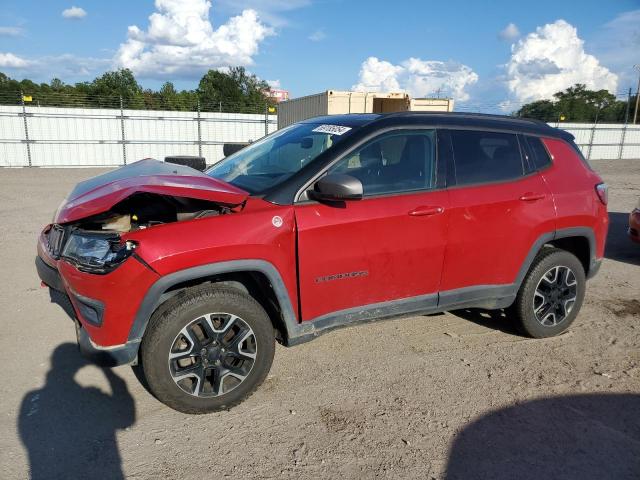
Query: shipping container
(334, 102)
(431, 105)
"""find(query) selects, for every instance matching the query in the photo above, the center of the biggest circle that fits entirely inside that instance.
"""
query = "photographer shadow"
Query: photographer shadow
(68, 430)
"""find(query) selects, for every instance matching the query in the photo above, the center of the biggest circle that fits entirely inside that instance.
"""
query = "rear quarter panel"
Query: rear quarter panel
(573, 186)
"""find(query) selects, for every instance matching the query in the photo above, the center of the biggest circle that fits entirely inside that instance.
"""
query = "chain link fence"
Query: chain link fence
(72, 135)
(71, 131)
(605, 141)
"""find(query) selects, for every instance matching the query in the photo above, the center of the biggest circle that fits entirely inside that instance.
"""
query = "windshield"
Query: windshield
(271, 160)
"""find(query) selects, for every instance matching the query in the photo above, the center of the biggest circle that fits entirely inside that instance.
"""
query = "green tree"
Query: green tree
(544, 110)
(168, 96)
(107, 89)
(577, 104)
(235, 90)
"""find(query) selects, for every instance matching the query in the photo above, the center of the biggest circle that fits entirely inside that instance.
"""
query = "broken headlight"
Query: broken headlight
(96, 252)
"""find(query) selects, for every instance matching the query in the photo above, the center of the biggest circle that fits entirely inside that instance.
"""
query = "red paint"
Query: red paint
(157, 179)
(359, 253)
(402, 254)
(491, 229)
(574, 192)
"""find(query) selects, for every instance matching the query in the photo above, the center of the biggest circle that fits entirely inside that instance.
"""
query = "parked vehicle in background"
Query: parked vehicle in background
(634, 224)
(328, 222)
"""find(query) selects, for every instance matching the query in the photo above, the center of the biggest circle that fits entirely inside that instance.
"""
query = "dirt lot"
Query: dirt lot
(446, 396)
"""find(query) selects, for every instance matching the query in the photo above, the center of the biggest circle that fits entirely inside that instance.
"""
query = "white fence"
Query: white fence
(602, 141)
(78, 137)
(75, 137)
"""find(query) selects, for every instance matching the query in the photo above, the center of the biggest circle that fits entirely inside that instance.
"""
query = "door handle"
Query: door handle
(532, 197)
(424, 211)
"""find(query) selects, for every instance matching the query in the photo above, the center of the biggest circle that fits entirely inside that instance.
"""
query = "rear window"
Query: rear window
(482, 157)
(541, 158)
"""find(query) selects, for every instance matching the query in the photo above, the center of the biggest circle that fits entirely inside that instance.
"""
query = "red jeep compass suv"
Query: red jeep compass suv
(325, 223)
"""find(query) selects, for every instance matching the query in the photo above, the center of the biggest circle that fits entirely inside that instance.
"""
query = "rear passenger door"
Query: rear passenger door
(499, 206)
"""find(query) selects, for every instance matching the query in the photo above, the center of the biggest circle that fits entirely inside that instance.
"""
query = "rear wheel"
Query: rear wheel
(207, 350)
(551, 294)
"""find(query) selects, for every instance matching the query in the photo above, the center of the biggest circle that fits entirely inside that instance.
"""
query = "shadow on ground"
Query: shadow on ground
(579, 437)
(68, 430)
(619, 247)
(495, 319)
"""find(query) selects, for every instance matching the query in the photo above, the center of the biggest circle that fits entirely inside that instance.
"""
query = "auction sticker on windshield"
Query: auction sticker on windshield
(332, 129)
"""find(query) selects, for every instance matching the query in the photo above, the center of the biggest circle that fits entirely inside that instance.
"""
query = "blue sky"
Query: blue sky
(309, 46)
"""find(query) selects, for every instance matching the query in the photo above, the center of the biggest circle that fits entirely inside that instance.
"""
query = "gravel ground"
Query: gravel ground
(457, 395)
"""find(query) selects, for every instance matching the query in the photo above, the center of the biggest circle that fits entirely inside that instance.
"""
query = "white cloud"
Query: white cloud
(62, 66)
(269, 10)
(378, 75)
(74, 13)
(550, 60)
(418, 77)
(9, 60)
(318, 36)
(11, 31)
(274, 83)
(180, 41)
(509, 33)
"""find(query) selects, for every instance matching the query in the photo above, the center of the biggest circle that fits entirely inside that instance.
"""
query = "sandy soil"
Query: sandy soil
(447, 396)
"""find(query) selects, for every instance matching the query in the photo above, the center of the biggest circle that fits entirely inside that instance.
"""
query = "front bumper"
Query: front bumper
(77, 306)
(102, 306)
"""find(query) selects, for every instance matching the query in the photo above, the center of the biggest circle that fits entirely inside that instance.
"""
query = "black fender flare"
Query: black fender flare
(154, 296)
(586, 232)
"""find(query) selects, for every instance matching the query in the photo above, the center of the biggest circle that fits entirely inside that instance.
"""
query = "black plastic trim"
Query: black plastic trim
(479, 296)
(153, 297)
(287, 192)
(92, 311)
(106, 356)
(49, 275)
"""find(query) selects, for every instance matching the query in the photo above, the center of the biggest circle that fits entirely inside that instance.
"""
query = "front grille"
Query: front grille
(55, 240)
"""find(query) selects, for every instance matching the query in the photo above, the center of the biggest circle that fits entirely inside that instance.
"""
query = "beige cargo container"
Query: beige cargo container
(431, 105)
(334, 102)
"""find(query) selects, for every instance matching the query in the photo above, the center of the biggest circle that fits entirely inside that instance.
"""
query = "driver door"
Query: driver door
(387, 246)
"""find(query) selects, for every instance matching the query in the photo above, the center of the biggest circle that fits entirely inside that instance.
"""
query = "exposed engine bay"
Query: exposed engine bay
(144, 210)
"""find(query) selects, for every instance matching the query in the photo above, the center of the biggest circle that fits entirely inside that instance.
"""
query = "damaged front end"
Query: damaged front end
(97, 244)
(91, 226)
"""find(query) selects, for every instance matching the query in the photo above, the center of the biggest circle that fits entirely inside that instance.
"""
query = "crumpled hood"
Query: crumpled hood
(99, 194)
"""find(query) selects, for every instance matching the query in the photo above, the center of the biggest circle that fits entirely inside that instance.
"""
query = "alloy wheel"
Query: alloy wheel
(555, 296)
(212, 355)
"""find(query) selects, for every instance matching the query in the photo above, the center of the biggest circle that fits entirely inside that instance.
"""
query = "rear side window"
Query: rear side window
(541, 158)
(481, 157)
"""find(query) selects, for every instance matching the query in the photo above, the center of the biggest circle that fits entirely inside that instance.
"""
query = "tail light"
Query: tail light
(602, 189)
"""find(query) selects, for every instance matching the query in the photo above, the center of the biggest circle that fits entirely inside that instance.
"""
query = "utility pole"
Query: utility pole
(626, 113)
(635, 113)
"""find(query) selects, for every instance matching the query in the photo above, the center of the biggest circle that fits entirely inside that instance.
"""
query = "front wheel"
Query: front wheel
(551, 294)
(207, 350)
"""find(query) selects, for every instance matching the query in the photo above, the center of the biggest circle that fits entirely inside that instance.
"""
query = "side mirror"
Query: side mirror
(336, 188)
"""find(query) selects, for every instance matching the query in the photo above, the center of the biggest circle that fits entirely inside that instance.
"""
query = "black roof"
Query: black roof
(347, 119)
(445, 119)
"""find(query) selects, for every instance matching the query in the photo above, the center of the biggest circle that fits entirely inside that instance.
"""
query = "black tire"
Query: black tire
(530, 308)
(164, 332)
